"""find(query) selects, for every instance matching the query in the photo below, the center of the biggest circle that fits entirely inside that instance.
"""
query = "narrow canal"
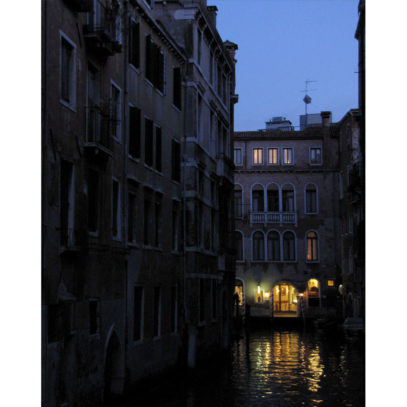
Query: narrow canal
(276, 367)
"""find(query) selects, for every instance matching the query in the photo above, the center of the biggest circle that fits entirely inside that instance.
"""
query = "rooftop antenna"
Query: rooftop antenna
(307, 99)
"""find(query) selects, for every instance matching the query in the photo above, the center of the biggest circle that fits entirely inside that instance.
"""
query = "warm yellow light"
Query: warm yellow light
(330, 283)
(258, 289)
(267, 295)
(301, 294)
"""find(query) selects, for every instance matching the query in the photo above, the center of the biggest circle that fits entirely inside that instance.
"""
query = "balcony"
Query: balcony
(274, 218)
(80, 6)
(101, 35)
(98, 141)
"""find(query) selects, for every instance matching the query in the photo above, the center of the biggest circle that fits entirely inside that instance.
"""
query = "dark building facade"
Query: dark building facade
(137, 266)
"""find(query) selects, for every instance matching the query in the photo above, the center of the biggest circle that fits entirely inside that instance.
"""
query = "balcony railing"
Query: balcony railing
(101, 33)
(270, 218)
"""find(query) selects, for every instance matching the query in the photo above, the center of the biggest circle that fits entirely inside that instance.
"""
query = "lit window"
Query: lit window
(257, 156)
(288, 156)
(331, 283)
(238, 156)
(239, 293)
(313, 287)
(273, 155)
(315, 156)
(312, 246)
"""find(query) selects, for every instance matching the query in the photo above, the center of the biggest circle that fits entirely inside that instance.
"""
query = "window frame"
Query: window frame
(320, 150)
(284, 260)
(252, 244)
(262, 156)
(268, 155)
(316, 199)
(283, 155)
(134, 54)
(71, 104)
(118, 236)
(279, 246)
(317, 260)
(240, 163)
(242, 260)
(118, 132)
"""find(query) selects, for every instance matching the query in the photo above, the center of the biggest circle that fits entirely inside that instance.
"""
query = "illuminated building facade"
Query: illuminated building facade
(287, 221)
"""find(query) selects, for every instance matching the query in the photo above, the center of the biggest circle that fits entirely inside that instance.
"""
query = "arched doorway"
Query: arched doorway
(285, 300)
(113, 375)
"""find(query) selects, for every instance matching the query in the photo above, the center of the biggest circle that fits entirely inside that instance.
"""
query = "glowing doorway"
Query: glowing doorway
(284, 300)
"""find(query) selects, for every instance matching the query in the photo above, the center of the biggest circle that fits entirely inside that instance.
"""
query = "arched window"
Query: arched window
(288, 199)
(311, 199)
(273, 246)
(273, 204)
(258, 246)
(239, 246)
(258, 199)
(238, 202)
(312, 246)
(289, 246)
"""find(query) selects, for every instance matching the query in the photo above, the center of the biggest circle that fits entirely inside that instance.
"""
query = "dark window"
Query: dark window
(199, 46)
(202, 299)
(238, 156)
(67, 203)
(238, 203)
(272, 200)
(54, 322)
(115, 209)
(115, 112)
(157, 224)
(67, 51)
(289, 246)
(93, 316)
(177, 95)
(146, 221)
(134, 44)
(176, 161)
(258, 246)
(173, 310)
(214, 299)
(149, 142)
(175, 224)
(134, 132)
(138, 313)
(158, 149)
(312, 246)
(93, 200)
(273, 246)
(157, 312)
(131, 218)
(239, 246)
(219, 77)
(258, 201)
(155, 64)
(288, 200)
(311, 199)
(315, 156)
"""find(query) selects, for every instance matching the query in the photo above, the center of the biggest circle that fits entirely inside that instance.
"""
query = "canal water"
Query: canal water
(273, 367)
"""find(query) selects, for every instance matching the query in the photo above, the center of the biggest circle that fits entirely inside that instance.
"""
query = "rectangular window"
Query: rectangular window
(214, 299)
(199, 46)
(273, 200)
(177, 92)
(157, 312)
(67, 203)
(131, 233)
(158, 149)
(173, 310)
(134, 44)
(315, 156)
(257, 156)
(149, 142)
(273, 155)
(93, 316)
(288, 157)
(155, 64)
(202, 299)
(138, 313)
(134, 131)
(238, 156)
(146, 221)
(258, 201)
(288, 201)
(93, 200)
(67, 71)
(175, 161)
(115, 112)
(175, 224)
(238, 203)
(115, 210)
(157, 224)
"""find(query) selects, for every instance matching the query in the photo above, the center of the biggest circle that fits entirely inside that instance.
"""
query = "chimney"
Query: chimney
(326, 118)
(212, 11)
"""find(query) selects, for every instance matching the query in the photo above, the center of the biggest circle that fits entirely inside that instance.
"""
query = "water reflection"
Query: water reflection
(281, 368)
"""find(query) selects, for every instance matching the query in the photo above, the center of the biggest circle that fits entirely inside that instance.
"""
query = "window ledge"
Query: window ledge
(135, 69)
(176, 108)
(68, 105)
(135, 159)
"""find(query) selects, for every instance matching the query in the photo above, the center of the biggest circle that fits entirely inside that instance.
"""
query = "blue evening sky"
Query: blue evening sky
(282, 43)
